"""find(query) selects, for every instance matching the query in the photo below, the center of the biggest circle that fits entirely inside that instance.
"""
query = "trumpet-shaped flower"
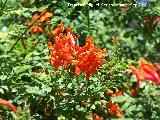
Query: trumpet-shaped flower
(114, 109)
(7, 104)
(145, 71)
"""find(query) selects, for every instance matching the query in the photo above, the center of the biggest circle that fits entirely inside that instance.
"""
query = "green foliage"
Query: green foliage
(145, 106)
(28, 80)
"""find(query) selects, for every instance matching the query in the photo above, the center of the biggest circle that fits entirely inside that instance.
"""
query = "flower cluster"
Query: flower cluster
(44, 16)
(88, 58)
(85, 59)
(62, 52)
(146, 71)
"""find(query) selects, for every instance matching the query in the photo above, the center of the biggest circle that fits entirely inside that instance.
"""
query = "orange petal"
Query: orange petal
(133, 92)
(143, 63)
(96, 117)
(77, 71)
(157, 19)
(7, 104)
(136, 72)
(35, 17)
(114, 109)
(151, 77)
(27, 22)
(158, 67)
(74, 62)
(49, 14)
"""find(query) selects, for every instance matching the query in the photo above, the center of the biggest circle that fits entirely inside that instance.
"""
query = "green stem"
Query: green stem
(88, 108)
(1, 3)
(88, 19)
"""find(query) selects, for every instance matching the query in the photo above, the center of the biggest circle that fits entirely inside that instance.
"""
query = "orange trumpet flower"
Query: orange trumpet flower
(7, 104)
(114, 109)
(145, 71)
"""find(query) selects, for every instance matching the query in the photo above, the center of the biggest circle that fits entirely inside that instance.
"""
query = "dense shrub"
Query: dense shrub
(62, 61)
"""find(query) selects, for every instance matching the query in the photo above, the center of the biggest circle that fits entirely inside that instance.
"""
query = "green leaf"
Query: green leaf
(84, 1)
(4, 87)
(3, 77)
(131, 108)
(123, 99)
(1, 91)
